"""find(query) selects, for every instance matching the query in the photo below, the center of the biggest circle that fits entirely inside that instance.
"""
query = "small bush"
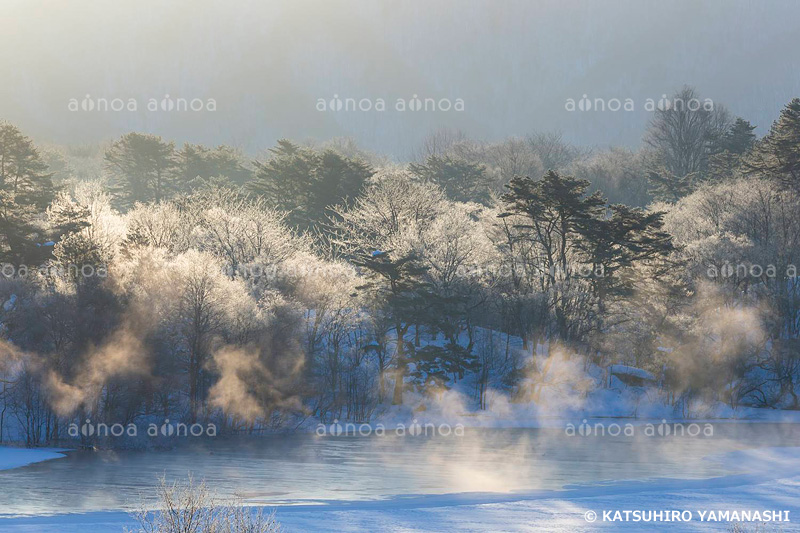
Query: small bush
(192, 508)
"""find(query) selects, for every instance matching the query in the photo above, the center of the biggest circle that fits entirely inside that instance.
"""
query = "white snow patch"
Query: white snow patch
(622, 370)
(17, 457)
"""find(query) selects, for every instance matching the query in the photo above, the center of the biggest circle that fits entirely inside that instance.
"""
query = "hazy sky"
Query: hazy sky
(265, 64)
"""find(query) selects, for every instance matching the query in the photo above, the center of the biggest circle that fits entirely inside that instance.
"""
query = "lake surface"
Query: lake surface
(303, 468)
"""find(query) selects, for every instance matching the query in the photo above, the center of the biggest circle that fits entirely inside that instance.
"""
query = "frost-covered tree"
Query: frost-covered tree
(166, 225)
(555, 215)
(88, 230)
(740, 238)
(683, 133)
(393, 210)
(553, 151)
(207, 306)
(380, 233)
(244, 231)
(620, 174)
(455, 249)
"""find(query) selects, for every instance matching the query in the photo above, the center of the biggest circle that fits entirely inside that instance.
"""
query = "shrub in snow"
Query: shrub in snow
(189, 507)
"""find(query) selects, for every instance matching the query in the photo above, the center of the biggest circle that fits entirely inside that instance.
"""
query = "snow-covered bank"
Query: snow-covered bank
(770, 481)
(17, 457)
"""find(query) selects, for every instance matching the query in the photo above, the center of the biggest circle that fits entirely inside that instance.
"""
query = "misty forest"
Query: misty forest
(144, 280)
(346, 266)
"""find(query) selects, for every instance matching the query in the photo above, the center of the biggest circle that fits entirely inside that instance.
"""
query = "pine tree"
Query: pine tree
(286, 179)
(557, 213)
(26, 188)
(461, 180)
(617, 242)
(399, 285)
(197, 166)
(777, 155)
(571, 230)
(434, 365)
(739, 138)
(733, 147)
(338, 180)
(668, 187)
(305, 182)
(142, 166)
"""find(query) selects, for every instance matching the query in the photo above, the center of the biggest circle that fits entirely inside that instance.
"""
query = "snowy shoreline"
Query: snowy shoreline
(18, 457)
(770, 479)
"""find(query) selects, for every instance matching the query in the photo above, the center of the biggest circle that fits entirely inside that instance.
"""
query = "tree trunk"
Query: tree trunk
(397, 398)
(400, 374)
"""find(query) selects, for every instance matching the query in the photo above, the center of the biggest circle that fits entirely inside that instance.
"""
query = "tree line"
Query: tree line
(326, 281)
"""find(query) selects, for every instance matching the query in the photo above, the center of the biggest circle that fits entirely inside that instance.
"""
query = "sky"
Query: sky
(251, 72)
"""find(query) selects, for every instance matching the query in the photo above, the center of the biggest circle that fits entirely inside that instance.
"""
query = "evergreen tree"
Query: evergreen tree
(142, 166)
(570, 230)
(739, 138)
(461, 180)
(338, 180)
(399, 286)
(26, 188)
(435, 365)
(668, 187)
(735, 144)
(305, 182)
(197, 165)
(617, 242)
(777, 155)
(556, 214)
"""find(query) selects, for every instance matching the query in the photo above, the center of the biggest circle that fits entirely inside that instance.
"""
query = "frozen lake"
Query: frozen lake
(304, 468)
